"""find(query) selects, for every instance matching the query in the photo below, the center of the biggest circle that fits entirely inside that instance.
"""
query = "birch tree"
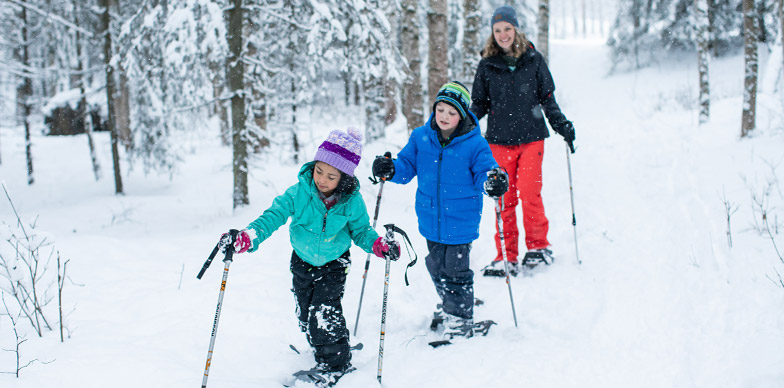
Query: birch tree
(703, 57)
(111, 92)
(750, 69)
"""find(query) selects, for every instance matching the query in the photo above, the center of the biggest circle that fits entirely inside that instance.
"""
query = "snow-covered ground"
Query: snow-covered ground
(660, 300)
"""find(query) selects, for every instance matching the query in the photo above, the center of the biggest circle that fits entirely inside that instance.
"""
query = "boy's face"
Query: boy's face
(447, 117)
(326, 178)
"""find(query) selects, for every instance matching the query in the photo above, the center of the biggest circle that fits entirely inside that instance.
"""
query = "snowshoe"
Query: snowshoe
(478, 328)
(535, 257)
(496, 269)
(438, 315)
(321, 376)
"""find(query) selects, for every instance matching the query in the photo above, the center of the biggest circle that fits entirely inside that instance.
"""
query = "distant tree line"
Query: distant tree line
(155, 69)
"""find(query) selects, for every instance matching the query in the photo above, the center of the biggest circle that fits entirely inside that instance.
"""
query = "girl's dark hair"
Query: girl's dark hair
(347, 184)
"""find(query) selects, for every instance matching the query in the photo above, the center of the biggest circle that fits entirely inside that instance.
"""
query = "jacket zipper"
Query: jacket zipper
(438, 194)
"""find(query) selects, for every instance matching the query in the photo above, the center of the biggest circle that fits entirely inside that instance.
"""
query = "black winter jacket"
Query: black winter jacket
(514, 100)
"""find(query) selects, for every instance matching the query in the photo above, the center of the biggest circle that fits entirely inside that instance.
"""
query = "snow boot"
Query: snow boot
(536, 256)
(496, 269)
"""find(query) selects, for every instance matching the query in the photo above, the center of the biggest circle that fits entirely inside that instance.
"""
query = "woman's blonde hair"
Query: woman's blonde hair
(519, 46)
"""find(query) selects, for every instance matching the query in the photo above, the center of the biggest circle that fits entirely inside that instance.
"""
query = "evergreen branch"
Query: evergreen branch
(49, 16)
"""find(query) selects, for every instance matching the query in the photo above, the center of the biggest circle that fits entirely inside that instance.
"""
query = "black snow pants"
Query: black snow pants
(454, 280)
(318, 292)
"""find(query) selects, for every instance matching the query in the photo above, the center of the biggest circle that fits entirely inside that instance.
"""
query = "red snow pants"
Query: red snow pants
(523, 163)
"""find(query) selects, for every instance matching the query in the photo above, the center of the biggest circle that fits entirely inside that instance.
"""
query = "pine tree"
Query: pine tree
(437, 60)
(750, 69)
(543, 45)
(412, 87)
(703, 57)
(472, 41)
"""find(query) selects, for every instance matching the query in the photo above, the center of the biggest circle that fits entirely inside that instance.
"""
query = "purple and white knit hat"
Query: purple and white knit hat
(341, 150)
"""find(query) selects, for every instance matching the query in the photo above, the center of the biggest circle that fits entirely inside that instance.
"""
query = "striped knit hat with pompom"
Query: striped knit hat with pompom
(341, 150)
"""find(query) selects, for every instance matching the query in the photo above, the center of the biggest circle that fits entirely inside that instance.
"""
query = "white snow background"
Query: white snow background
(660, 299)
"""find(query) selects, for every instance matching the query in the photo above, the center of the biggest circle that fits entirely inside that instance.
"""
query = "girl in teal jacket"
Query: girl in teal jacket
(327, 213)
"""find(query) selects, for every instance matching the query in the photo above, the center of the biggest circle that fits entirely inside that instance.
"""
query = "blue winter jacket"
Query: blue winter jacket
(450, 179)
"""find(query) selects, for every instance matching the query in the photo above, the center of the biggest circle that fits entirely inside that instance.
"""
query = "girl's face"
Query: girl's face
(504, 34)
(447, 117)
(326, 178)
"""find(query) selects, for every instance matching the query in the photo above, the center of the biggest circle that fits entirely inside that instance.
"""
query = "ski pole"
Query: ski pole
(388, 256)
(571, 195)
(367, 260)
(226, 241)
(503, 251)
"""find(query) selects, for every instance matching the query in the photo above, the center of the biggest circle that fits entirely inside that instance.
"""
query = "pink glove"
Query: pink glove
(381, 246)
(242, 243)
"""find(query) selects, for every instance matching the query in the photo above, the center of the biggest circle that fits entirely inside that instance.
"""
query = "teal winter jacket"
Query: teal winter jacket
(317, 235)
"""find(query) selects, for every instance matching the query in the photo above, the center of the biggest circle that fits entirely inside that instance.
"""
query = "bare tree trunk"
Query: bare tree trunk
(703, 57)
(24, 93)
(750, 71)
(235, 74)
(544, 29)
(438, 45)
(83, 109)
(412, 87)
(111, 93)
(585, 18)
(391, 87)
(471, 40)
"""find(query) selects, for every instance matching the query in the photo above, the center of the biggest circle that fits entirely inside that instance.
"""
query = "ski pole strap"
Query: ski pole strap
(409, 247)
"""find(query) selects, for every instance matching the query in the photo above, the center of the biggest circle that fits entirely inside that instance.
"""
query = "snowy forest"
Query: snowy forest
(138, 88)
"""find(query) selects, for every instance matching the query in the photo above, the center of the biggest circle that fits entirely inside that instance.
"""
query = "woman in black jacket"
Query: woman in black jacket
(513, 86)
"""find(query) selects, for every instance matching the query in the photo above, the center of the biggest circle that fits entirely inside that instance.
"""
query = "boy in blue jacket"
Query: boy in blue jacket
(452, 160)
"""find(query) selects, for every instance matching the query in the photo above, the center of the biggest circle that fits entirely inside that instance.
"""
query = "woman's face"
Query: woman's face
(326, 178)
(504, 34)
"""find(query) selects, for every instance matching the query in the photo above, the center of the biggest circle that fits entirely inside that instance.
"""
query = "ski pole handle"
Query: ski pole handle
(227, 241)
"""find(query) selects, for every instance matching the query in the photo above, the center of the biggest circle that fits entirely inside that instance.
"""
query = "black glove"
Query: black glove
(384, 167)
(566, 129)
(497, 183)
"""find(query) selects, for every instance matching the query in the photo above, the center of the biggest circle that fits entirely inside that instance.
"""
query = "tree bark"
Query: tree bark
(235, 74)
(703, 57)
(24, 92)
(438, 46)
(751, 69)
(412, 87)
(471, 40)
(544, 29)
(84, 113)
(111, 93)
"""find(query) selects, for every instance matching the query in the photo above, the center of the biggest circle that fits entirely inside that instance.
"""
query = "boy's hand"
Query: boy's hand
(384, 167)
(497, 183)
(383, 247)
